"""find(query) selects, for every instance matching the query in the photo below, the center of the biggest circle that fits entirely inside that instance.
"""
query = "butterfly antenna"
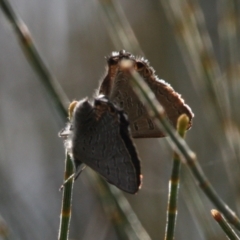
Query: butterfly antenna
(73, 176)
(79, 171)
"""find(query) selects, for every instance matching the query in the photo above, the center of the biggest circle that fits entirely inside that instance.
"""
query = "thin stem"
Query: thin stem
(66, 200)
(156, 111)
(224, 225)
(197, 49)
(52, 86)
(174, 183)
(118, 209)
(119, 29)
(220, 89)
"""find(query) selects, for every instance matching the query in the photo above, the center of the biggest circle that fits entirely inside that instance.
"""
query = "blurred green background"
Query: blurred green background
(73, 38)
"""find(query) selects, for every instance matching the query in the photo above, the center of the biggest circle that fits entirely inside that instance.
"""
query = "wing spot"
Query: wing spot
(150, 124)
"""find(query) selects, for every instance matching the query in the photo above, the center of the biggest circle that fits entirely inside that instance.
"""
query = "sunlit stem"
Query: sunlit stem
(224, 225)
(66, 200)
(156, 111)
(174, 183)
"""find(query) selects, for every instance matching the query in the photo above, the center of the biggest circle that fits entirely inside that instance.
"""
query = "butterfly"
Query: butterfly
(116, 86)
(100, 132)
(98, 135)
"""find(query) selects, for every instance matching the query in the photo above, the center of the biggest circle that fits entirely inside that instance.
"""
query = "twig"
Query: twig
(224, 225)
(174, 183)
(156, 111)
(66, 201)
(119, 29)
(127, 225)
(52, 86)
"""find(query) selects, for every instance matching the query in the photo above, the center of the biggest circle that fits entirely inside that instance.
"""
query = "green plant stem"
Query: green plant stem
(156, 111)
(224, 225)
(197, 49)
(174, 183)
(66, 200)
(119, 29)
(124, 220)
(220, 89)
(54, 89)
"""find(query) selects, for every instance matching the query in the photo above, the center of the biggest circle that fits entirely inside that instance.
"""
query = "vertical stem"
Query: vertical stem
(66, 201)
(174, 183)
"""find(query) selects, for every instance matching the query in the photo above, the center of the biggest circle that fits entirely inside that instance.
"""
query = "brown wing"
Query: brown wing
(117, 88)
(101, 140)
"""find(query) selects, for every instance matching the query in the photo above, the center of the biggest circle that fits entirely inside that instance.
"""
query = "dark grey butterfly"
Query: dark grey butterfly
(98, 135)
(117, 88)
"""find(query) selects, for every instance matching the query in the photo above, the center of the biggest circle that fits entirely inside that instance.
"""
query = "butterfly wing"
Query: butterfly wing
(123, 96)
(101, 140)
(117, 88)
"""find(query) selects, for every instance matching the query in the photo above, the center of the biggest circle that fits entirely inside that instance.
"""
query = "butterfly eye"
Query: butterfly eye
(145, 71)
(140, 66)
(113, 60)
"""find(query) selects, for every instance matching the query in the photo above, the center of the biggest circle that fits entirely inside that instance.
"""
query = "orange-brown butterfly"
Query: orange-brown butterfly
(117, 88)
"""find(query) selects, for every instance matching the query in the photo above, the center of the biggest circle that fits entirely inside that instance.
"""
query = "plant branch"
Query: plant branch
(174, 183)
(66, 200)
(156, 111)
(224, 225)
